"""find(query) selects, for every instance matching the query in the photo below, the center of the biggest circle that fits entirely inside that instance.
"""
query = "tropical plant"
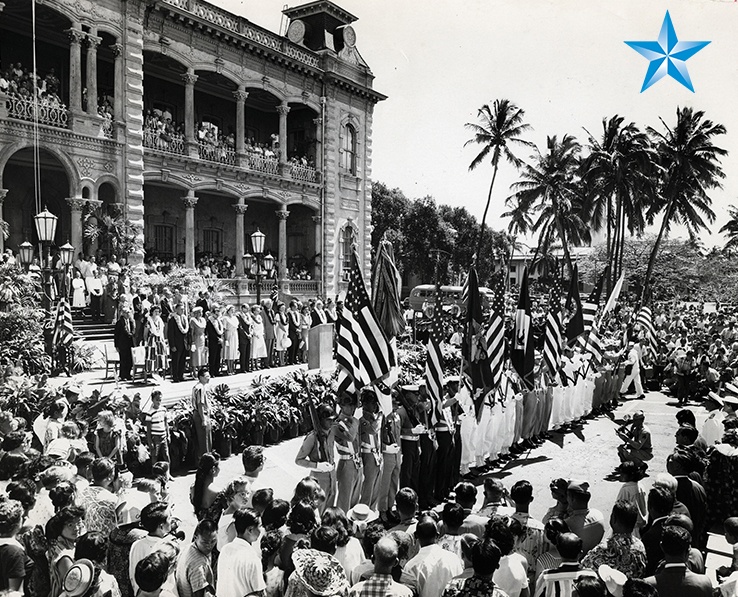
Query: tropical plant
(115, 231)
(731, 230)
(17, 288)
(550, 193)
(498, 128)
(619, 176)
(690, 163)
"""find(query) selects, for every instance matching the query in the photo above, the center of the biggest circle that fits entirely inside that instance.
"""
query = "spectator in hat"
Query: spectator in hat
(637, 445)
(319, 573)
(587, 523)
(349, 468)
(370, 438)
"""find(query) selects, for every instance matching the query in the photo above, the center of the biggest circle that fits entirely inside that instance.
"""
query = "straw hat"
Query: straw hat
(322, 574)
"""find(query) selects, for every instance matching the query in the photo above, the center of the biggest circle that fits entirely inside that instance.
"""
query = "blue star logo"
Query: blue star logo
(667, 56)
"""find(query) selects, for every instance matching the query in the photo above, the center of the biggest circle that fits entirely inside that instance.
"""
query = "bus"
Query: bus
(425, 295)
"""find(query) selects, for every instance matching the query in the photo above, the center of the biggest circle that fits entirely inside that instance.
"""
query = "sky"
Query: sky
(563, 61)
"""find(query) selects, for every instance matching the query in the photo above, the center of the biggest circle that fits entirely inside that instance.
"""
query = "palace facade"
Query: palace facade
(194, 124)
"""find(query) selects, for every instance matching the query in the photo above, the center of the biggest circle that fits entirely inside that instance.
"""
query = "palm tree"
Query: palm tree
(498, 128)
(731, 229)
(619, 168)
(691, 167)
(551, 190)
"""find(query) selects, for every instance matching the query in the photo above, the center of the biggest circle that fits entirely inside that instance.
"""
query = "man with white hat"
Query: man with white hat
(449, 441)
(409, 435)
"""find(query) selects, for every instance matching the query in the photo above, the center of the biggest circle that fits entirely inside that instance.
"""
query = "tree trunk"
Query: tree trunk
(486, 209)
(616, 240)
(622, 245)
(655, 252)
(565, 247)
(608, 223)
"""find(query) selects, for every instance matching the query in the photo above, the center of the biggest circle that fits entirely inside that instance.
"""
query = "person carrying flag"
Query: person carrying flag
(349, 468)
(316, 453)
(370, 433)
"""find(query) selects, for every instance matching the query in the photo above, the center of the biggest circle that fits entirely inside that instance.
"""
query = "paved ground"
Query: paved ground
(587, 453)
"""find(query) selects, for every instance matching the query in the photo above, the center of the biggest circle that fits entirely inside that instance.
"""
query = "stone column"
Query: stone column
(318, 221)
(282, 215)
(240, 96)
(318, 122)
(92, 42)
(119, 83)
(76, 207)
(190, 200)
(190, 78)
(76, 35)
(283, 110)
(3, 193)
(240, 247)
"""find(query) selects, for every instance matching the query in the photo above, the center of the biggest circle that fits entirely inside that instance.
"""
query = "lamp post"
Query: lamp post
(25, 251)
(66, 254)
(46, 231)
(264, 263)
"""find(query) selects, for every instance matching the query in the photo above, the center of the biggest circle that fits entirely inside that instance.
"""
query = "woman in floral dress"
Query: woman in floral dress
(156, 356)
(258, 344)
(198, 355)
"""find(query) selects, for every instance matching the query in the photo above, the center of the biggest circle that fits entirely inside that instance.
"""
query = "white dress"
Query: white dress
(230, 338)
(258, 345)
(78, 296)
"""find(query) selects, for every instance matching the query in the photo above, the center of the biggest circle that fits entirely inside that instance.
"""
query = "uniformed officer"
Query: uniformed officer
(349, 468)
(428, 446)
(370, 433)
(448, 436)
(391, 456)
(316, 453)
(409, 439)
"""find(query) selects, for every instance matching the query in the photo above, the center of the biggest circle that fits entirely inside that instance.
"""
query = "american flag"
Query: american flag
(522, 353)
(496, 333)
(552, 337)
(274, 295)
(594, 346)
(645, 321)
(434, 360)
(363, 353)
(63, 330)
(590, 306)
(475, 372)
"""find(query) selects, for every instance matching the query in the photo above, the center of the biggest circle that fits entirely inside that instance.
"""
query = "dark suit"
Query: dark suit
(319, 318)
(244, 341)
(123, 340)
(268, 320)
(693, 496)
(215, 346)
(166, 309)
(677, 580)
(204, 303)
(177, 346)
(651, 537)
(293, 319)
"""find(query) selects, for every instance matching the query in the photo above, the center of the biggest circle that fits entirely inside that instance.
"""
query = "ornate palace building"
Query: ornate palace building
(194, 124)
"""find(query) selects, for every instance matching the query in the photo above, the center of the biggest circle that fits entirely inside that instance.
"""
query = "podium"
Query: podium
(320, 346)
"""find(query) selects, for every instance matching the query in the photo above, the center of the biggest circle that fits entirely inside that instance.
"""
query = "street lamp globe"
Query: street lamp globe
(25, 251)
(248, 261)
(268, 263)
(257, 242)
(66, 253)
(46, 225)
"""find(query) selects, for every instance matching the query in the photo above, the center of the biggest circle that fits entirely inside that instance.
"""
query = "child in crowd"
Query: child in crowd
(108, 439)
(157, 429)
(730, 527)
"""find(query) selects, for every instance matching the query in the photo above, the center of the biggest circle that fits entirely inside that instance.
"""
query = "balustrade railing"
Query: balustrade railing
(305, 173)
(215, 153)
(106, 128)
(262, 164)
(26, 109)
(163, 142)
(303, 286)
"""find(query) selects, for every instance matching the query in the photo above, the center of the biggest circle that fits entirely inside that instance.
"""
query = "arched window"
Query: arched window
(349, 150)
(348, 239)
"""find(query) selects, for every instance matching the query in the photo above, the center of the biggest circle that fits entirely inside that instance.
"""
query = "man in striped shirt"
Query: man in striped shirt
(559, 582)
(157, 429)
(195, 564)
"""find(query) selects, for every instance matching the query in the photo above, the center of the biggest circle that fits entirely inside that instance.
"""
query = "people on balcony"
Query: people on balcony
(161, 133)
(17, 81)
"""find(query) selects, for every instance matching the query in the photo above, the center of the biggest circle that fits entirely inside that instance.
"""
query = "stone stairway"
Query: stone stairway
(92, 331)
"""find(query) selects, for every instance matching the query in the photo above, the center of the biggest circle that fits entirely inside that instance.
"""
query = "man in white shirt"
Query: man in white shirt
(428, 572)
(635, 356)
(156, 518)
(240, 572)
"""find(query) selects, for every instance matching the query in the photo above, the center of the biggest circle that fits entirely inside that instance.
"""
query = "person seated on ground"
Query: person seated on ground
(675, 578)
(621, 551)
(637, 441)
(588, 523)
(560, 580)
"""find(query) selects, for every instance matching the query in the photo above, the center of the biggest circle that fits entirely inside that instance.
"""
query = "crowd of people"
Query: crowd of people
(17, 81)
